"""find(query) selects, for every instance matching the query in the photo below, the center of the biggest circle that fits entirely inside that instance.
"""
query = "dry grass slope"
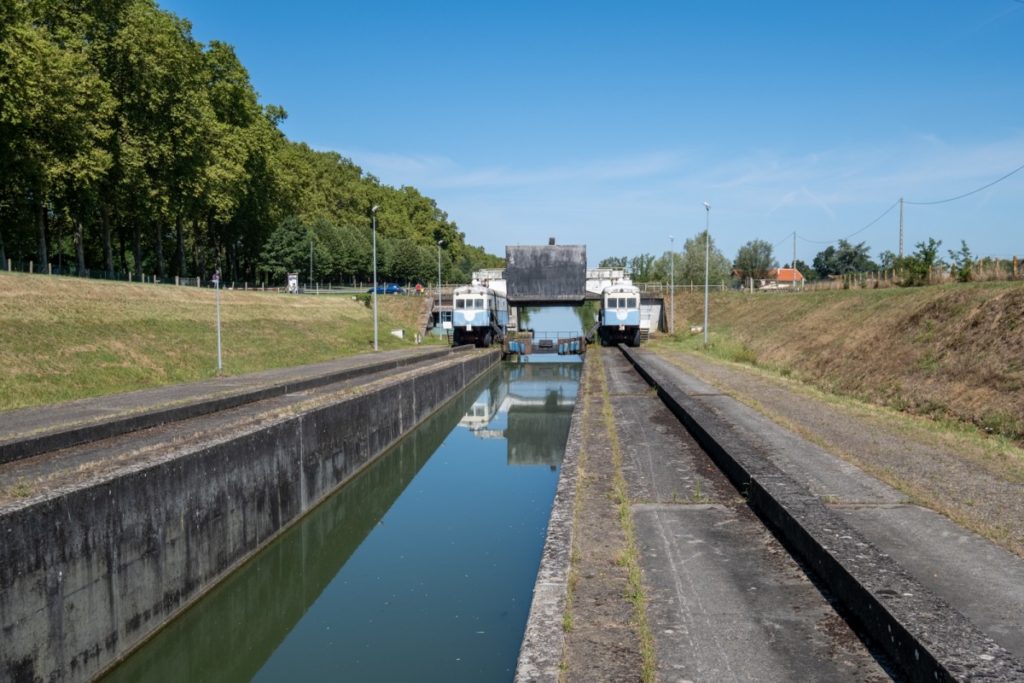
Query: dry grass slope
(63, 338)
(952, 351)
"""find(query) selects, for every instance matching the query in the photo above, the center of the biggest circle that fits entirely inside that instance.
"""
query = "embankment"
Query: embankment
(944, 351)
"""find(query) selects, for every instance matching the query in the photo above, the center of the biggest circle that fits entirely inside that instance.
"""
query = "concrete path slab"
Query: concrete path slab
(660, 460)
(983, 581)
(728, 604)
(822, 473)
(30, 431)
(725, 600)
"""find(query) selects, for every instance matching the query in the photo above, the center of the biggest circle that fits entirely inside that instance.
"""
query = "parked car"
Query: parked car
(389, 288)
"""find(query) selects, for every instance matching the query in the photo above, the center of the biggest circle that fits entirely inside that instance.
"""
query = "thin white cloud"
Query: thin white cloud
(443, 172)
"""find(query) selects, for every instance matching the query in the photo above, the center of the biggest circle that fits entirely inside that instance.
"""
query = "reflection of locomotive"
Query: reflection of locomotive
(619, 318)
(480, 315)
(530, 406)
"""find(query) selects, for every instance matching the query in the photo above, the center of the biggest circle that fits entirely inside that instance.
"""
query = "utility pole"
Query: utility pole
(310, 260)
(901, 227)
(794, 259)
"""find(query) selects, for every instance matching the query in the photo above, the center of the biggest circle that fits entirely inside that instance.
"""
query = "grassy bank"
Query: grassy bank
(949, 351)
(64, 338)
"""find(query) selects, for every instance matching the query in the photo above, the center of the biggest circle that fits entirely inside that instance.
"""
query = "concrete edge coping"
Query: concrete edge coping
(64, 436)
(540, 655)
(925, 637)
(187, 449)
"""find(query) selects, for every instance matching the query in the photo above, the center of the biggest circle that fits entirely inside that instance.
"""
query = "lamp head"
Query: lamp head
(374, 208)
(707, 207)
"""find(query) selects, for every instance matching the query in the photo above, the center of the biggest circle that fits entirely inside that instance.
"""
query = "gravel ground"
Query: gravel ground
(982, 496)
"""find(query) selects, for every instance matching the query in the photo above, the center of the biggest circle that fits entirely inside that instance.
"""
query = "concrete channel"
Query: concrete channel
(105, 541)
(749, 574)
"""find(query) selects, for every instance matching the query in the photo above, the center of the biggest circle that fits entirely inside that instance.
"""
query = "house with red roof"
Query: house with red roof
(783, 278)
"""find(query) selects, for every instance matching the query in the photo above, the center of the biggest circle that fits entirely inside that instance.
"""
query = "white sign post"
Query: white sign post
(216, 286)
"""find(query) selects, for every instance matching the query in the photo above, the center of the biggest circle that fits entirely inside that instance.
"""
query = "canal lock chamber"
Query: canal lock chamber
(420, 568)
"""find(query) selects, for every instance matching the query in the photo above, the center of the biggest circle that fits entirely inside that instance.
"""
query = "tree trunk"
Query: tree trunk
(3, 254)
(181, 245)
(122, 252)
(108, 251)
(41, 221)
(137, 248)
(197, 261)
(160, 248)
(80, 247)
(211, 234)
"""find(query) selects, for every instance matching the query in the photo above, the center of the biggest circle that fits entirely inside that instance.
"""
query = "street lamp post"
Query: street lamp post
(707, 257)
(672, 285)
(373, 220)
(439, 243)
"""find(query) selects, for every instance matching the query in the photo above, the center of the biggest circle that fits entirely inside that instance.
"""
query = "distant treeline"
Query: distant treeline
(126, 145)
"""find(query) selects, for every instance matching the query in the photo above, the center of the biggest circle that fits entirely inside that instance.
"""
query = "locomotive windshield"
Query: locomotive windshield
(468, 303)
(621, 302)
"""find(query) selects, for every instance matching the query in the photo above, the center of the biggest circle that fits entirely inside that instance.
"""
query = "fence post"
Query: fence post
(177, 282)
(30, 266)
(9, 265)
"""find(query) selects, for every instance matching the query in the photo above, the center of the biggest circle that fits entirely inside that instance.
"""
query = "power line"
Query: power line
(856, 232)
(786, 238)
(968, 194)
(897, 202)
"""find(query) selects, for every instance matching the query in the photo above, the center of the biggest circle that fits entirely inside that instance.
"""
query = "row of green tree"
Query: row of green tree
(756, 260)
(127, 145)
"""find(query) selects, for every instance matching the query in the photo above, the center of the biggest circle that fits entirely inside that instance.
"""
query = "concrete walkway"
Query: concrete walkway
(726, 602)
(974, 576)
(31, 431)
(951, 602)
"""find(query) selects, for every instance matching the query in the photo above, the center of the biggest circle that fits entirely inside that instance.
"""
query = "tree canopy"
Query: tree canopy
(127, 145)
(755, 260)
(689, 263)
(844, 258)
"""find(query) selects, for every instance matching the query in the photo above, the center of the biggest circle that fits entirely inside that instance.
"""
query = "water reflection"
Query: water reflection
(530, 407)
(422, 568)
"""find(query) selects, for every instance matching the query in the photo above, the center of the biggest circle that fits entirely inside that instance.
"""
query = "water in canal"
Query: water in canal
(422, 568)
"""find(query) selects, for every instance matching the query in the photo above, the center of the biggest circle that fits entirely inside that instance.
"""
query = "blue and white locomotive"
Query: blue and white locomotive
(619, 317)
(479, 315)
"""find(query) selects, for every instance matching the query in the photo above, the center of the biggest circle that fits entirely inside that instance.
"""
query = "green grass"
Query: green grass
(64, 338)
(629, 558)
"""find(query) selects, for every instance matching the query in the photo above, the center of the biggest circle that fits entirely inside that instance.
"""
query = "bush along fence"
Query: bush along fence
(982, 270)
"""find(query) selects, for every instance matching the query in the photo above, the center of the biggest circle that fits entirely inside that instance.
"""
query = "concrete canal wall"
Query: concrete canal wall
(87, 574)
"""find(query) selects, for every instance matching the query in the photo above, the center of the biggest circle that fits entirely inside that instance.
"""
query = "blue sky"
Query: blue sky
(609, 123)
